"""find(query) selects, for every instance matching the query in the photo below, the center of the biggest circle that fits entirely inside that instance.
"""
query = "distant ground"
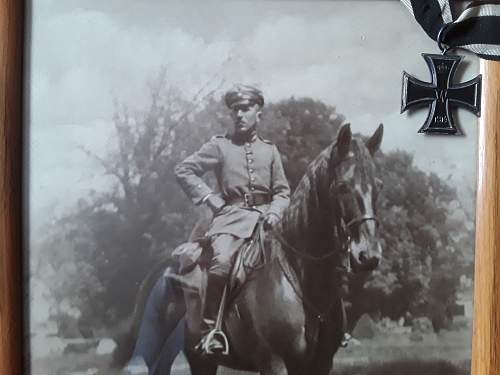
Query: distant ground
(389, 355)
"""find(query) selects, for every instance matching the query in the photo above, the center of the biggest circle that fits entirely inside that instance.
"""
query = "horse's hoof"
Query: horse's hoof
(136, 366)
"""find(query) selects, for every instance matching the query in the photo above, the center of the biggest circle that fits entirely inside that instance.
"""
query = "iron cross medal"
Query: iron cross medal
(441, 94)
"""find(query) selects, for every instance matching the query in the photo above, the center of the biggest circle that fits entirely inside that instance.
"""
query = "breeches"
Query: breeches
(224, 248)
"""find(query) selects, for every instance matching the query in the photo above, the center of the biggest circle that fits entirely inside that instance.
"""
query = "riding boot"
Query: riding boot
(213, 296)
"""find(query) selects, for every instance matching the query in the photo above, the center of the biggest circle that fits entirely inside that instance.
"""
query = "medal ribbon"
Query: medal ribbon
(476, 29)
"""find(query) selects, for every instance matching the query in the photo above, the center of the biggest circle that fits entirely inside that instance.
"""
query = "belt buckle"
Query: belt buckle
(248, 199)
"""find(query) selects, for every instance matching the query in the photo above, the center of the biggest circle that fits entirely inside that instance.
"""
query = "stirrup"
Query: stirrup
(214, 335)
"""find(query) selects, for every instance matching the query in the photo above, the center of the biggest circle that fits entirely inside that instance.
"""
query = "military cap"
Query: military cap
(244, 95)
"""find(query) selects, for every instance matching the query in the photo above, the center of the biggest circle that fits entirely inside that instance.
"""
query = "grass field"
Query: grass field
(454, 347)
(446, 354)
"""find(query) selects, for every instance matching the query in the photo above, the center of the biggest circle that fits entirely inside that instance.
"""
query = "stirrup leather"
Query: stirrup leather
(344, 343)
(216, 333)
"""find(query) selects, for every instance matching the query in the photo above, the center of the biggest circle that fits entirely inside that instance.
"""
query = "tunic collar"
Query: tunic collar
(242, 138)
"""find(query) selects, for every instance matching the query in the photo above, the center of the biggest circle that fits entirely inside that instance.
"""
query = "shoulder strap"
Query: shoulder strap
(266, 140)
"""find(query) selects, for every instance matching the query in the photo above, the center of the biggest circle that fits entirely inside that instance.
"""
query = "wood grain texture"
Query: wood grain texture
(11, 74)
(486, 341)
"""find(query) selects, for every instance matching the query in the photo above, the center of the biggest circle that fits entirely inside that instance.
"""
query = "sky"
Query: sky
(87, 55)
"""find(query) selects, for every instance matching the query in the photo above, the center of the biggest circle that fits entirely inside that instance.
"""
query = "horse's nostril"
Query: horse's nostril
(362, 256)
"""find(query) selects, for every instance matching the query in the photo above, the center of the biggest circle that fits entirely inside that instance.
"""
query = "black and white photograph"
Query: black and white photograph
(240, 186)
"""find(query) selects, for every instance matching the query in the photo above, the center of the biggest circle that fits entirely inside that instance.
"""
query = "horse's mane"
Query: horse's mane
(305, 213)
(309, 218)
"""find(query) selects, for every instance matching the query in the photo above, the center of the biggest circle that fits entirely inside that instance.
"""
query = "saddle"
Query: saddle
(250, 256)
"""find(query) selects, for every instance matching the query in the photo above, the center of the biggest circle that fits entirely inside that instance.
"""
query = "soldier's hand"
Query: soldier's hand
(215, 203)
(270, 220)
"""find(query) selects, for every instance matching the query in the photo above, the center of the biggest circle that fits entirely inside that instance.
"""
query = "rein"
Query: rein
(291, 277)
(287, 246)
(290, 274)
(293, 249)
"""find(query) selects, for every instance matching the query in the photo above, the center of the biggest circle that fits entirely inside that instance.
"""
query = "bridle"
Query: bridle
(290, 274)
(287, 246)
(361, 219)
(356, 221)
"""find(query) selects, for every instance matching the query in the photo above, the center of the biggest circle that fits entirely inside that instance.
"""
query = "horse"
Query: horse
(287, 318)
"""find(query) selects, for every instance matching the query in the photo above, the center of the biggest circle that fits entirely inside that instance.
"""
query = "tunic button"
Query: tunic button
(252, 179)
(252, 188)
(250, 170)
(247, 144)
(250, 161)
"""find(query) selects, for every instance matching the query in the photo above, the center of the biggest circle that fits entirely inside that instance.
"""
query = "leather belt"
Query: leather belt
(251, 199)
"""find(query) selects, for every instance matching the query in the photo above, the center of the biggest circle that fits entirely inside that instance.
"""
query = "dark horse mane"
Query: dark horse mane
(304, 222)
(306, 196)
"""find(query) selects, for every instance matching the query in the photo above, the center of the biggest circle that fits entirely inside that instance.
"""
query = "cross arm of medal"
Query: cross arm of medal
(441, 94)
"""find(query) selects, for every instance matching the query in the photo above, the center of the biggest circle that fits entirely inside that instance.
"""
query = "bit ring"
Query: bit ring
(440, 38)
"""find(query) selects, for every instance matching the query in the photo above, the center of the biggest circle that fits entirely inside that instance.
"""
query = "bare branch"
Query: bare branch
(110, 170)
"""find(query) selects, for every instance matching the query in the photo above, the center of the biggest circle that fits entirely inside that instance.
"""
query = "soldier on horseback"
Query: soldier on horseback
(252, 186)
(290, 316)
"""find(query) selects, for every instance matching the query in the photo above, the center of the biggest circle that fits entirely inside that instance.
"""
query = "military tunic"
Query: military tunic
(252, 167)
(240, 168)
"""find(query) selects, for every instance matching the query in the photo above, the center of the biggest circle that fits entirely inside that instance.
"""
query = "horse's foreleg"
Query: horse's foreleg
(276, 366)
(200, 365)
(321, 365)
(324, 370)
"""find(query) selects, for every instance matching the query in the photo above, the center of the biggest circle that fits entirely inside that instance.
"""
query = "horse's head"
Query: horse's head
(353, 194)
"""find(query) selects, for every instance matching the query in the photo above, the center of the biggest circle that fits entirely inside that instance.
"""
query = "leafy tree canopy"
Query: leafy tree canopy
(108, 243)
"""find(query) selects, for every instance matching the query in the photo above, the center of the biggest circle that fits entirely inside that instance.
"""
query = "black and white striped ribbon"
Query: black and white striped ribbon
(476, 29)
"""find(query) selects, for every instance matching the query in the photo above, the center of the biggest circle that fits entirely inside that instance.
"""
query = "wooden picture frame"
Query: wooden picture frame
(486, 346)
(11, 301)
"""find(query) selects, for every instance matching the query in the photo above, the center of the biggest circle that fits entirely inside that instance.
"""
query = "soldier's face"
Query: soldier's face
(245, 117)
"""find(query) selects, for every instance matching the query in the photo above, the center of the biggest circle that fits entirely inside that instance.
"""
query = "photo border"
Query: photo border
(486, 330)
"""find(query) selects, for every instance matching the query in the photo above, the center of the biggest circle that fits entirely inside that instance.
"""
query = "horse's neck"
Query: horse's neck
(316, 279)
(306, 231)
(319, 283)
(307, 222)
(308, 227)
(303, 221)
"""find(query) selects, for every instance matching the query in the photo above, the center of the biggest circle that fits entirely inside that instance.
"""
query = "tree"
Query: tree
(118, 234)
(418, 239)
(108, 243)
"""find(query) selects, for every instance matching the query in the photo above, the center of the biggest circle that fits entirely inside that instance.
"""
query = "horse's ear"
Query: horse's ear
(344, 138)
(373, 143)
